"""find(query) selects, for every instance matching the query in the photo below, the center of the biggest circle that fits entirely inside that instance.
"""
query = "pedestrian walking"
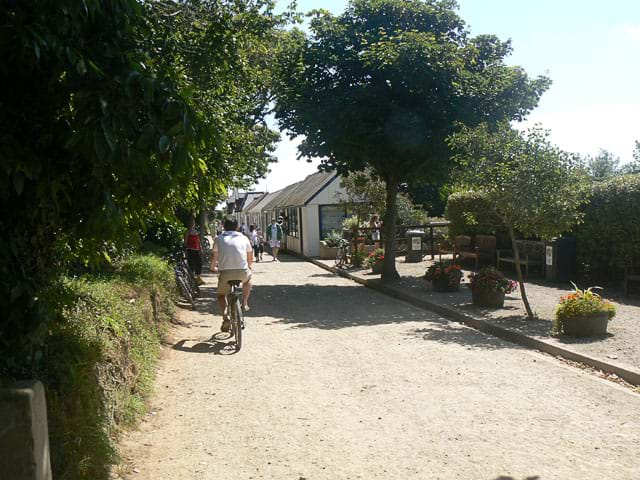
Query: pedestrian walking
(194, 251)
(274, 237)
(375, 225)
(255, 241)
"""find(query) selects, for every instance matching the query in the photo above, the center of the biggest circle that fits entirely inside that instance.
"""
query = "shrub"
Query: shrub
(610, 233)
(376, 256)
(470, 213)
(333, 239)
(491, 279)
(101, 362)
(447, 272)
(581, 303)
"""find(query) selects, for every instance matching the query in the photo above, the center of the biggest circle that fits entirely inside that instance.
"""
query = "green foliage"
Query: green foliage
(354, 222)
(101, 356)
(602, 166)
(610, 233)
(581, 303)
(385, 83)
(532, 186)
(471, 213)
(366, 195)
(365, 192)
(115, 113)
(333, 239)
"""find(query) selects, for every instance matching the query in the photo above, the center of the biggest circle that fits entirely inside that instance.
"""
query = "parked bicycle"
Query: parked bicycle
(343, 256)
(185, 278)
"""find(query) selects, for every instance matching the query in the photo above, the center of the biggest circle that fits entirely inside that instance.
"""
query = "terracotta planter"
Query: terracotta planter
(445, 285)
(327, 253)
(586, 325)
(377, 267)
(488, 298)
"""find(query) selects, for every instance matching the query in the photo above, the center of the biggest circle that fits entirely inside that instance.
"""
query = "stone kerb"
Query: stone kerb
(24, 435)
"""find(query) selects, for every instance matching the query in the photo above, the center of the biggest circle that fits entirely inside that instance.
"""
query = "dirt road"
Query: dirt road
(336, 381)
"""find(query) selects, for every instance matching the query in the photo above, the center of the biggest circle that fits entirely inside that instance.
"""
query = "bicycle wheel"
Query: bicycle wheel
(340, 257)
(238, 320)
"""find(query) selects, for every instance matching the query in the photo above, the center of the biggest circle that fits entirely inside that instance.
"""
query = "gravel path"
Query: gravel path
(621, 346)
(336, 381)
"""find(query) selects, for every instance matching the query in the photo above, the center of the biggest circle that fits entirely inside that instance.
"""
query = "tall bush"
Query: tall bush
(470, 213)
(610, 234)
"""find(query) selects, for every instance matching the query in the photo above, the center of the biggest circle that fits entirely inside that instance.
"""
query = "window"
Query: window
(331, 218)
(291, 222)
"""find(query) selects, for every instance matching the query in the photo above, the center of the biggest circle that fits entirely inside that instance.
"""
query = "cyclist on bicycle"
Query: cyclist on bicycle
(233, 258)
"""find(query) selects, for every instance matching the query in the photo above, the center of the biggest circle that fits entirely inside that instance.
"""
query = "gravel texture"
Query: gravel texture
(620, 347)
(336, 381)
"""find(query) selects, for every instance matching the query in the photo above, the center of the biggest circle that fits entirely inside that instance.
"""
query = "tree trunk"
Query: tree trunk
(516, 257)
(389, 272)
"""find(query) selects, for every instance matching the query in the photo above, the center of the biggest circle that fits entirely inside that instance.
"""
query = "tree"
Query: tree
(602, 166)
(365, 194)
(634, 165)
(108, 120)
(385, 83)
(533, 187)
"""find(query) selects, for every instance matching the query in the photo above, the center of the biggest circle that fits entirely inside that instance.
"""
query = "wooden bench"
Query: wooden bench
(532, 253)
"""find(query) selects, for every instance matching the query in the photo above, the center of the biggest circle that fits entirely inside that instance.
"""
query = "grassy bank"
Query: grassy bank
(102, 356)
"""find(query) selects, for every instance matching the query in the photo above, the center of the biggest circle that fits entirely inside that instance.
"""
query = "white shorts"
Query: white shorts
(274, 243)
(375, 235)
(225, 275)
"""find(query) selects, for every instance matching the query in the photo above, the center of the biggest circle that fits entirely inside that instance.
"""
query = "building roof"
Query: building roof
(248, 199)
(249, 206)
(258, 207)
(300, 193)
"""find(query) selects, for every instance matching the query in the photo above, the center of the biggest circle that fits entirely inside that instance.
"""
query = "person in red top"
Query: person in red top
(194, 251)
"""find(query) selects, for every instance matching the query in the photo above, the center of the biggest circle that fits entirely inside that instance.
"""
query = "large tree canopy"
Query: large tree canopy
(532, 186)
(112, 113)
(385, 83)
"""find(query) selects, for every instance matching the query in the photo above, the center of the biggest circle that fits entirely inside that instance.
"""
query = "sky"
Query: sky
(589, 48)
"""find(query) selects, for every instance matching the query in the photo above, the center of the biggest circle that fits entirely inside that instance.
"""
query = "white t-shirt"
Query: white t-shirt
(232, 248)
(253, 236)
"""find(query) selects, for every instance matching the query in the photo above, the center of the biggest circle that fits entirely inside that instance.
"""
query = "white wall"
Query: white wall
(331, 194)
(311, 230)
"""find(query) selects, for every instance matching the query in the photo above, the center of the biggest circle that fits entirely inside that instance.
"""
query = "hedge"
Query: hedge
(610, 234)
(470, 214)
(101, 359)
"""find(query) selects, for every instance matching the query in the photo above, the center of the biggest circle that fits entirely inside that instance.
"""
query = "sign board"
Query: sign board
(549, 256)
(416, 243)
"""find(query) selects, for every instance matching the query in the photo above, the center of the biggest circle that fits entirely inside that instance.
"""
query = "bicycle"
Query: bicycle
(183, 286)
(234, 311)
(343, 256)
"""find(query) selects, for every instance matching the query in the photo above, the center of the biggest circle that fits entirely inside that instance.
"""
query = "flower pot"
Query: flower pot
(328, 253)
(586, 325)
(488, 298)
(377, 267)
(446, 285)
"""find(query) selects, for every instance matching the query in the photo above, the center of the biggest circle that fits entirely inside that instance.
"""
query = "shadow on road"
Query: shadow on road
(212, 345)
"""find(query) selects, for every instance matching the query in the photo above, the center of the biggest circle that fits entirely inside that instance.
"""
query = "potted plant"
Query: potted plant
(444, 276)
(583, 313)
(375, 260)
(329, 246)
(489, 286)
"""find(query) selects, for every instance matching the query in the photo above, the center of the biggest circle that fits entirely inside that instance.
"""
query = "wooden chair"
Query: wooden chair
(461, 242)
(532, 253)
(482, 247)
